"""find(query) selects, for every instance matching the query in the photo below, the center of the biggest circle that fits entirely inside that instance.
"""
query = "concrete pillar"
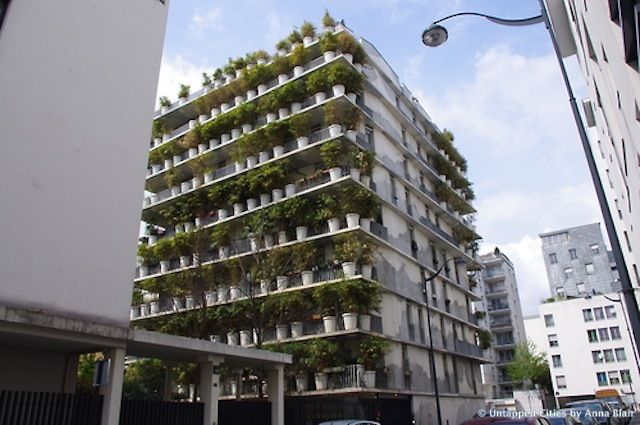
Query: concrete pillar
(70, 373)
(112, 392)
(168, 382)
(275, 390)
(210, 390)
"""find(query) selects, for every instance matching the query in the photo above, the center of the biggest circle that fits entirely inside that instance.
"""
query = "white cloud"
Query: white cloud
(175, 71)
(203, 19)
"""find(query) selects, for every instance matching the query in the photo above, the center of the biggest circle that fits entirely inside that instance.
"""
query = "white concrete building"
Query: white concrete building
(604, 37)
(587, 345)
(504, 313)
(78, 81)
(415, 231)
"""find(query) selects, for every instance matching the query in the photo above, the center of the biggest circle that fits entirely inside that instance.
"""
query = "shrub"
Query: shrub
(164, 249)
(281, 65)
(359, 296)
(238, 63)
(317, 82)
(164, 101)
(206, 80)
(332, 113)
(304, 256)
(262, 55)
(299, 55)
(307, 29)
(183, 91)
(295, 37)
(321, 353)
(268, 104)
(283, 44)
(346, 42)
(245, 114)
(363, 159)
(147, 254)
(372, 350)
(327, 20)
(332, 154)
(327, 296)
(221, 235)
(259, 74)
(301, 124)
(328, 42)
(292, 92)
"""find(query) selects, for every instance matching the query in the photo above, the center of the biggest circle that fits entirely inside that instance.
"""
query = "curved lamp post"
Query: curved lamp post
(436, 34)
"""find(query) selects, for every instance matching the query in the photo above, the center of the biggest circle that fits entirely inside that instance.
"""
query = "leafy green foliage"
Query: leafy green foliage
(183, 91)
(327, 20)
(359, 296)
(328, 42)
(317, 81)
(144, 380)
(372, 351)
(307, 29)
(529, 365)
(333, 154)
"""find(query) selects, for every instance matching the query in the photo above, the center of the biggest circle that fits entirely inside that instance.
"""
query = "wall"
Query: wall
(24, 369)
(78, 80)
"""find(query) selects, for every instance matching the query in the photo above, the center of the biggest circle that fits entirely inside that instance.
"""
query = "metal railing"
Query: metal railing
(437, 230)
(464, 347)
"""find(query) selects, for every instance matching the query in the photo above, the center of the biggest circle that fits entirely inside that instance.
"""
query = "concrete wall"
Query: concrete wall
(78, 81)
(24, 369)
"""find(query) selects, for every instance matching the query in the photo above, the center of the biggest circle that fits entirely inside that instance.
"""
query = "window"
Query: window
(394, 194)
(580, 288)
(620, 354)
(615, 332)
(614, 377)
(587, 314)
(561, 381)
(407, 201)
(602, 379)
(557, 360)
(404, 137)
(603, 334)
(567, 272)
(597, 356)
(589, 268)
(548, 320)
(560, 290)
(553, 340)
(610, 311)
(553, 259)
(625, 376)
(573, 254)
(369, 135)
(592, 335)
(608, 356)
(599, 313)
(595, 250)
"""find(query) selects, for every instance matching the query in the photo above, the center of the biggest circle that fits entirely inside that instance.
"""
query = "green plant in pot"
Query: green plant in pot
(164, 249)
(147, 254)
(485, 339)
(333, 154)
(295, 37)
(321, 354)
(183, 92)
(363, 160)
(292, 93)
(317, 83)
(307, 29)
(328, 43)
(328, 297)
(206, 80)
(330, 210)
(359, 296)
(164, 101)
(327, 21)
(281, 64)
(283, 45)
(372, 351)
(268, 104)
(301, 127)
(221, 237)
(299, 56)
(304, 260)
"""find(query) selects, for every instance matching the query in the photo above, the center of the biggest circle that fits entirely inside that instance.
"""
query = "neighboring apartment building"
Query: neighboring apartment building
(577, 262)
(606, 36)
(255, 163)
(587, 345)
(504, 313)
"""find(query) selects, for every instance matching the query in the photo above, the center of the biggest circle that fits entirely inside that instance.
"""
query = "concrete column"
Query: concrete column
(275, 390)
(209, 390)
(112, 392)
(70, 373)
(168, 382)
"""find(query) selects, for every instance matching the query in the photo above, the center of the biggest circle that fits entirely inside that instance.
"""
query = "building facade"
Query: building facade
(604, 38)
(315, 181)
(577, 262)
(503, 311)
(587, 345)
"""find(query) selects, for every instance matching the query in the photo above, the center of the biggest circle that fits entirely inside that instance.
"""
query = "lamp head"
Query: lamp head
(435, 35)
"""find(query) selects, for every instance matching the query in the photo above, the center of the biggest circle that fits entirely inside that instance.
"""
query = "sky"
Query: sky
(497, 88)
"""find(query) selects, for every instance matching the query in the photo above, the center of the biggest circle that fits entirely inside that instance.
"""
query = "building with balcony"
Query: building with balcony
(588, 347)
(502, 313)
(578, 263)
(603, 36)
(299, 202)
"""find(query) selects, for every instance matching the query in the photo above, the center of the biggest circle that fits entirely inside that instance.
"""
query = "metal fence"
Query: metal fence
(43, 408)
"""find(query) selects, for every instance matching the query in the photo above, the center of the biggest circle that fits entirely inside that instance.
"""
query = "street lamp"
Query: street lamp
(436, 34)
(432, 361)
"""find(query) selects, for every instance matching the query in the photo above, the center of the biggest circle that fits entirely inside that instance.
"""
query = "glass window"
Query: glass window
(548, 320)
(553, 258)
(610, 312)
(615, 332)
(560, 290)
(608, 356)
(587, 314)
(620, 354)
(590, 268)
(603, 334)
(602, 379)
(595, 250)
(580, 288)
(561, 381)
(573, 254)
(369, 135)
(557, 360)
(614, 377)
(567, 272)
(592, 335)
(597, 356)
(553, 340)
(599, 313)
(625, 375)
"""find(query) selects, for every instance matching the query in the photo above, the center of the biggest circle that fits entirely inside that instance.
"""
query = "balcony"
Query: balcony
(498, 307)
(467, 348)
(501, 323)
(435, 229)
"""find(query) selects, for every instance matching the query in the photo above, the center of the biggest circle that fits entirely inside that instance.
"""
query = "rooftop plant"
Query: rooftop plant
(299, 55)
(307, 29)
(327, 20)
(206, 80)
(327, 296)
(328, 42)
(283, 44)
(183, 91)
(295, 37)
(281, 65)
(164, 101)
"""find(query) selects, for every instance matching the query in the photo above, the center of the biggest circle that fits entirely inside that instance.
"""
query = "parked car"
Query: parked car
(350, 422)
(565, 420)
(507, 420)
(582, 419)
(598, 409)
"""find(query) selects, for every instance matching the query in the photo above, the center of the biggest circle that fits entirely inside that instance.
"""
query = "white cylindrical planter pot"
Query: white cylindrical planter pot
(177, 159)
(296, 107)
(353, 220)
(238, 208)
(263, 157)
(352, 97)
(202, 147)
(223, 252)
(271, 117)
(302, 142)
(282, 282)
(238, 100)
(329, 323)
(365, 223)
(283, 113)
(154, 307)
(334, 224)
(182, 100)
(348, 57)
(166, 137)
(178, 303)
(152, 239)
(234, 292)
(202, 118)
(290, 189)
(355, 174)
(143, 271)
(321, 381)
(252, 203)
(301, 232)
(276, 195)
(351, 135)
(185, 186)
(370, 378)
(365, 322)
(349, 269)
(268, 241)
(185, 261)
(157, 142)
(251, 94)
(282, 237)
(282, 78)
(168, 163)
(224, 138)
(252, 161)
(134, 312)
(245, 338)
(213, 143)
(302, 383)
(335, 130)
(338, 90)
(282, 332)
(255, 244)
(297, 329)
(164, 266)
(307, 277)
(196, 182)
(262, 88)
(329, 55)
(198, 222)
(306, 41)
(298, 70)
(178, 228)
(246, 128)
(335, 173)
(222, 214)
(320, 97)
(156, 168)
(358, 67)
(192, 124)
(211, 298)
(235, 133)
(278, 151)
(264, 286)
(239, 166)
(189, 302)
(144, 310)
(223, 293)
(265, 198)
(232, 338)
(350, 321)
(215, 112)
(367, 270)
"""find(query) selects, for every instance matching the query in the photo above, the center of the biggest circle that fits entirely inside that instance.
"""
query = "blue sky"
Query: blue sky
(497, 88)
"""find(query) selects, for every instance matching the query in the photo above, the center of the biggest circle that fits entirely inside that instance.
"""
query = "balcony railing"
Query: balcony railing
(500, 323)
(379, 230)
(498, 306)
(435, 229)
(467, 348)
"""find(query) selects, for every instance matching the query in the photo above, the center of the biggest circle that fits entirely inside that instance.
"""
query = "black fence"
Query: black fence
(141, 412)
(233, 412)
(42, 408)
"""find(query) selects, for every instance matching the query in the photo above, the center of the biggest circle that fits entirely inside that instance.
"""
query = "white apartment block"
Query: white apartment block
(501, 302)
(604, 37)
(587, 345)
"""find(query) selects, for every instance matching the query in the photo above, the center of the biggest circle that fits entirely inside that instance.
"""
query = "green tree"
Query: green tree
(529, 365)
(144, 380)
